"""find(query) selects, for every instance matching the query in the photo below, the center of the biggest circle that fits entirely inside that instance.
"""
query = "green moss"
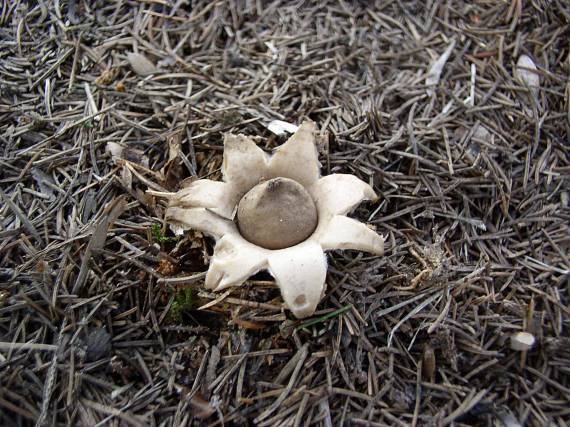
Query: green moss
(158, 236)
(184, 300)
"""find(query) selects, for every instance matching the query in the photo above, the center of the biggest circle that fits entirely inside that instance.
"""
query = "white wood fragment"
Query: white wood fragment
(47, 96)
(507, 419)
(434, 73)
(92, 104)
(526, 73)
(119, 151)
(274, 51)
(522, 341)
(279, 127)
(470, 100)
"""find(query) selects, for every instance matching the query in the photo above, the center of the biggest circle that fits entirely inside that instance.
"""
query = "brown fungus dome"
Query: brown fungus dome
(277, 214)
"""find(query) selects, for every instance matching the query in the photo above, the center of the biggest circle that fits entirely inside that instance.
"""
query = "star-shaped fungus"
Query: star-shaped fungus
(275, 213)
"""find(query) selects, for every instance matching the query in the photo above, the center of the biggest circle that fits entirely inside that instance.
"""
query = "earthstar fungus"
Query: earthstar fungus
(275, 213)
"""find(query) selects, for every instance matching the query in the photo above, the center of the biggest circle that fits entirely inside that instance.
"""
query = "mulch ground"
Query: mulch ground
(102, 318)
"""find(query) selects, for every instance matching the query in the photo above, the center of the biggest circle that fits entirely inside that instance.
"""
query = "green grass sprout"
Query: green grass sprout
(325, 317)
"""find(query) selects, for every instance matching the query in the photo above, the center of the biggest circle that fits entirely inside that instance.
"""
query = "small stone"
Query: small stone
(277, 214)
(98, 344)
(522, 341)
(141, 64)
(526, 72)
